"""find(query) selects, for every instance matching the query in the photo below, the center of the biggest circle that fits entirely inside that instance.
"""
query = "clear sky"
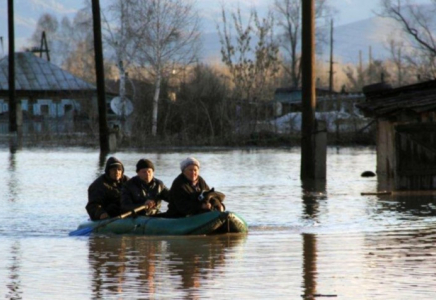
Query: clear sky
(27, 13)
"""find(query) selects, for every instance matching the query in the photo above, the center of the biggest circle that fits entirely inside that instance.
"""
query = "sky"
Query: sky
(27, 12)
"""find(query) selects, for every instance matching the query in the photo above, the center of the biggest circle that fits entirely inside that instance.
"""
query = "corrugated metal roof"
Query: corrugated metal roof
(36, 74)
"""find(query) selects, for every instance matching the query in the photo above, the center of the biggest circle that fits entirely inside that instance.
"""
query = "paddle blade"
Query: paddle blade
(81, 232)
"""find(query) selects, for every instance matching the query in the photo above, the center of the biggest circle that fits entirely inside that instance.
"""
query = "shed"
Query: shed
(406, 133)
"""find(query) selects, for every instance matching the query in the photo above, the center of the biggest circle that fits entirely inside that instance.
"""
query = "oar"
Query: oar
(88, 230)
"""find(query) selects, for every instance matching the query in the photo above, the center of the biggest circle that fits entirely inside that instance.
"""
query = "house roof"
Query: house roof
(36, 74)
(418, 98)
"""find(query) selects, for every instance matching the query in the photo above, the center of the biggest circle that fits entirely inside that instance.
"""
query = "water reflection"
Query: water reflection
(410, 203)
(195, 257)
(12, 178)
(313, 191)
(120, 262)
(14, 284)
(132, 264)
(309, 265)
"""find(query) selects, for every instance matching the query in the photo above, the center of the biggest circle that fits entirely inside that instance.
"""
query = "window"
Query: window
(68, 107)
(44, 110)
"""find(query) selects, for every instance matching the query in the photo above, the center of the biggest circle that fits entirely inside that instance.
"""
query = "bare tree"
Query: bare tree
(170, 37)
(358, 77)
(79, 58)
(253, 64)
(399, 61)
(123, 37)
(417, 21)
(288, 14)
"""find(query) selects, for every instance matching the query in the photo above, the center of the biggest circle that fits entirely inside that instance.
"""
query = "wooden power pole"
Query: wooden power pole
(11, 65)
(313, 144)
(98, 51)
(331, 59)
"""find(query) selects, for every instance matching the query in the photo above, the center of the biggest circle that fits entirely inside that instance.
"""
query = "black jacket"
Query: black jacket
(136, 192)
(104, 194)
(184, 197)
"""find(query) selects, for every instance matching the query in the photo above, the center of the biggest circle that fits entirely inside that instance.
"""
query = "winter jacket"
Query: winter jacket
(184, 197)
(104, 194)
(136, 192)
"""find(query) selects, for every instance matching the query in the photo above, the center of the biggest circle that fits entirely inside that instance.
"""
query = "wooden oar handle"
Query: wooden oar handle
(125, 215)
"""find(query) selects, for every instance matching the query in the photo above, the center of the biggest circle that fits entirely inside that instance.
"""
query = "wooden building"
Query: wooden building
(44, 91)
(406, 133)
(288, 100)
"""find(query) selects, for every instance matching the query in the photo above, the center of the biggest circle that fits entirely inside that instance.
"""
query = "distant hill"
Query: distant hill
(349, 39)
(358, 36)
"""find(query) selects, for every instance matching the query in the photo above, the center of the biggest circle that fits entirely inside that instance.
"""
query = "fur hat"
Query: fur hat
(144, 164)
(189, 161)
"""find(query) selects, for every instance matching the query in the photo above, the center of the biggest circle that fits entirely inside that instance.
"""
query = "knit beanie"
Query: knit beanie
(113, 162)
(144, 164)
(189, 161)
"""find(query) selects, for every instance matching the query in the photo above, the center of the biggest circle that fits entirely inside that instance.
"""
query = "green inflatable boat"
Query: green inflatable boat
(209, 223)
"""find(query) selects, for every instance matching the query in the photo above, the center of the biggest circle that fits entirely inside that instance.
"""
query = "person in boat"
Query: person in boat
(187, 190)
(144, 189)
(104, 194)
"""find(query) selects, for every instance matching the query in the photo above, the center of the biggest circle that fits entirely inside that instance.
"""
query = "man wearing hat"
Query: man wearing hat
(186, 189)
(104, 194)
(144, 189)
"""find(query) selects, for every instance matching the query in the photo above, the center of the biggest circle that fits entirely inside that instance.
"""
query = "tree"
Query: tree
(374, 72)
(79, 58)
(204, 99)
(253, 69)
(417, 21)
(123, 37)
(288, 14)
(170, 37)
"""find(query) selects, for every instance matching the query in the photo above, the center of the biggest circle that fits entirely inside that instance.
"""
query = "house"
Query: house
(406, 133)
(42, 89)
(288, 100)
(337, 110)
(45, 92)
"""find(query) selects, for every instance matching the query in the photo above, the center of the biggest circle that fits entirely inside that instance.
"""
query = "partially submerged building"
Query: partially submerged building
(43, 90)
(337, 110)
(406, 133)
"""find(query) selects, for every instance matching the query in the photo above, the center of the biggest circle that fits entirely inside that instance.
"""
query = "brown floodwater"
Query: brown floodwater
(311, 240)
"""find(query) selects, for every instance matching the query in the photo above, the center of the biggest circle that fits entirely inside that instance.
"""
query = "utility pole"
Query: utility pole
(308, 90)
(98, 52)
(331, 59)
(313, 143)
(370, 65)
(360, 78)
(11, 65)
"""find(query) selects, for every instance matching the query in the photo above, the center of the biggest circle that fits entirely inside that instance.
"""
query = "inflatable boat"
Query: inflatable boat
(209, 223)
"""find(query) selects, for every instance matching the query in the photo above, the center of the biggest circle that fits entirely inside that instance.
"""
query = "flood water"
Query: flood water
(305, 241)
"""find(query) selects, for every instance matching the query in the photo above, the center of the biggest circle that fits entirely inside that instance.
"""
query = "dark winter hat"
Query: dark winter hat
(113, 162)
(144, 164)
(189, 161)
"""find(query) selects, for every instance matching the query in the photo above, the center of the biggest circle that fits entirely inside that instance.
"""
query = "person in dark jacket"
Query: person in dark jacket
(186, 189)
(144, 189)
(104, 194)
